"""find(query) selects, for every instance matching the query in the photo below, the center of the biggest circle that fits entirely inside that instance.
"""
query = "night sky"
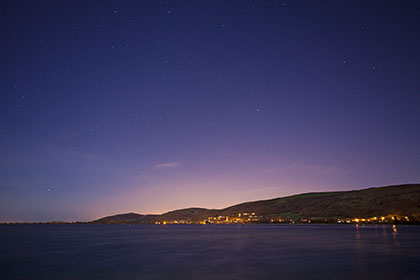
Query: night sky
(109, 107)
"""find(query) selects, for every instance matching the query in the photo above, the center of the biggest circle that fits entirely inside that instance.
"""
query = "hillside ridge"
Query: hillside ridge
(392, 203)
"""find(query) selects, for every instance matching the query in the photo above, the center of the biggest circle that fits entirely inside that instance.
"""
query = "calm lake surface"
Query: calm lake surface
(209, 252)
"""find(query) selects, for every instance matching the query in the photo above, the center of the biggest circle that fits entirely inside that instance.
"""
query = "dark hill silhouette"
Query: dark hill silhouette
(400, 200)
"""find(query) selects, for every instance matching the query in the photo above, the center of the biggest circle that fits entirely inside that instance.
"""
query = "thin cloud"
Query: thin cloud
(174, 164)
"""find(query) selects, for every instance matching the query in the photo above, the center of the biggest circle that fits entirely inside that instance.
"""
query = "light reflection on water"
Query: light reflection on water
(209, 252)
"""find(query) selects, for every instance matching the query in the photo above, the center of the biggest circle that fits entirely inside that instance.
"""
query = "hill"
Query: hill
(396, 203)
(129, 218)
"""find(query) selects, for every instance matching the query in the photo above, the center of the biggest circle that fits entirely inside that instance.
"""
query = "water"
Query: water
(209, 252)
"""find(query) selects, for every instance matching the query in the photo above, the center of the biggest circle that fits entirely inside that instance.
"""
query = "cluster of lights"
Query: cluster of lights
(383, 219)
(243, 218)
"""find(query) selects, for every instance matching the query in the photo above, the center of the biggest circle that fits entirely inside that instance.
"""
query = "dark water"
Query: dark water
(209, 252)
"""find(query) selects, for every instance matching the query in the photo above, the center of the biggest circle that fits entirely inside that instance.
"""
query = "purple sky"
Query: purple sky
(148, 106)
